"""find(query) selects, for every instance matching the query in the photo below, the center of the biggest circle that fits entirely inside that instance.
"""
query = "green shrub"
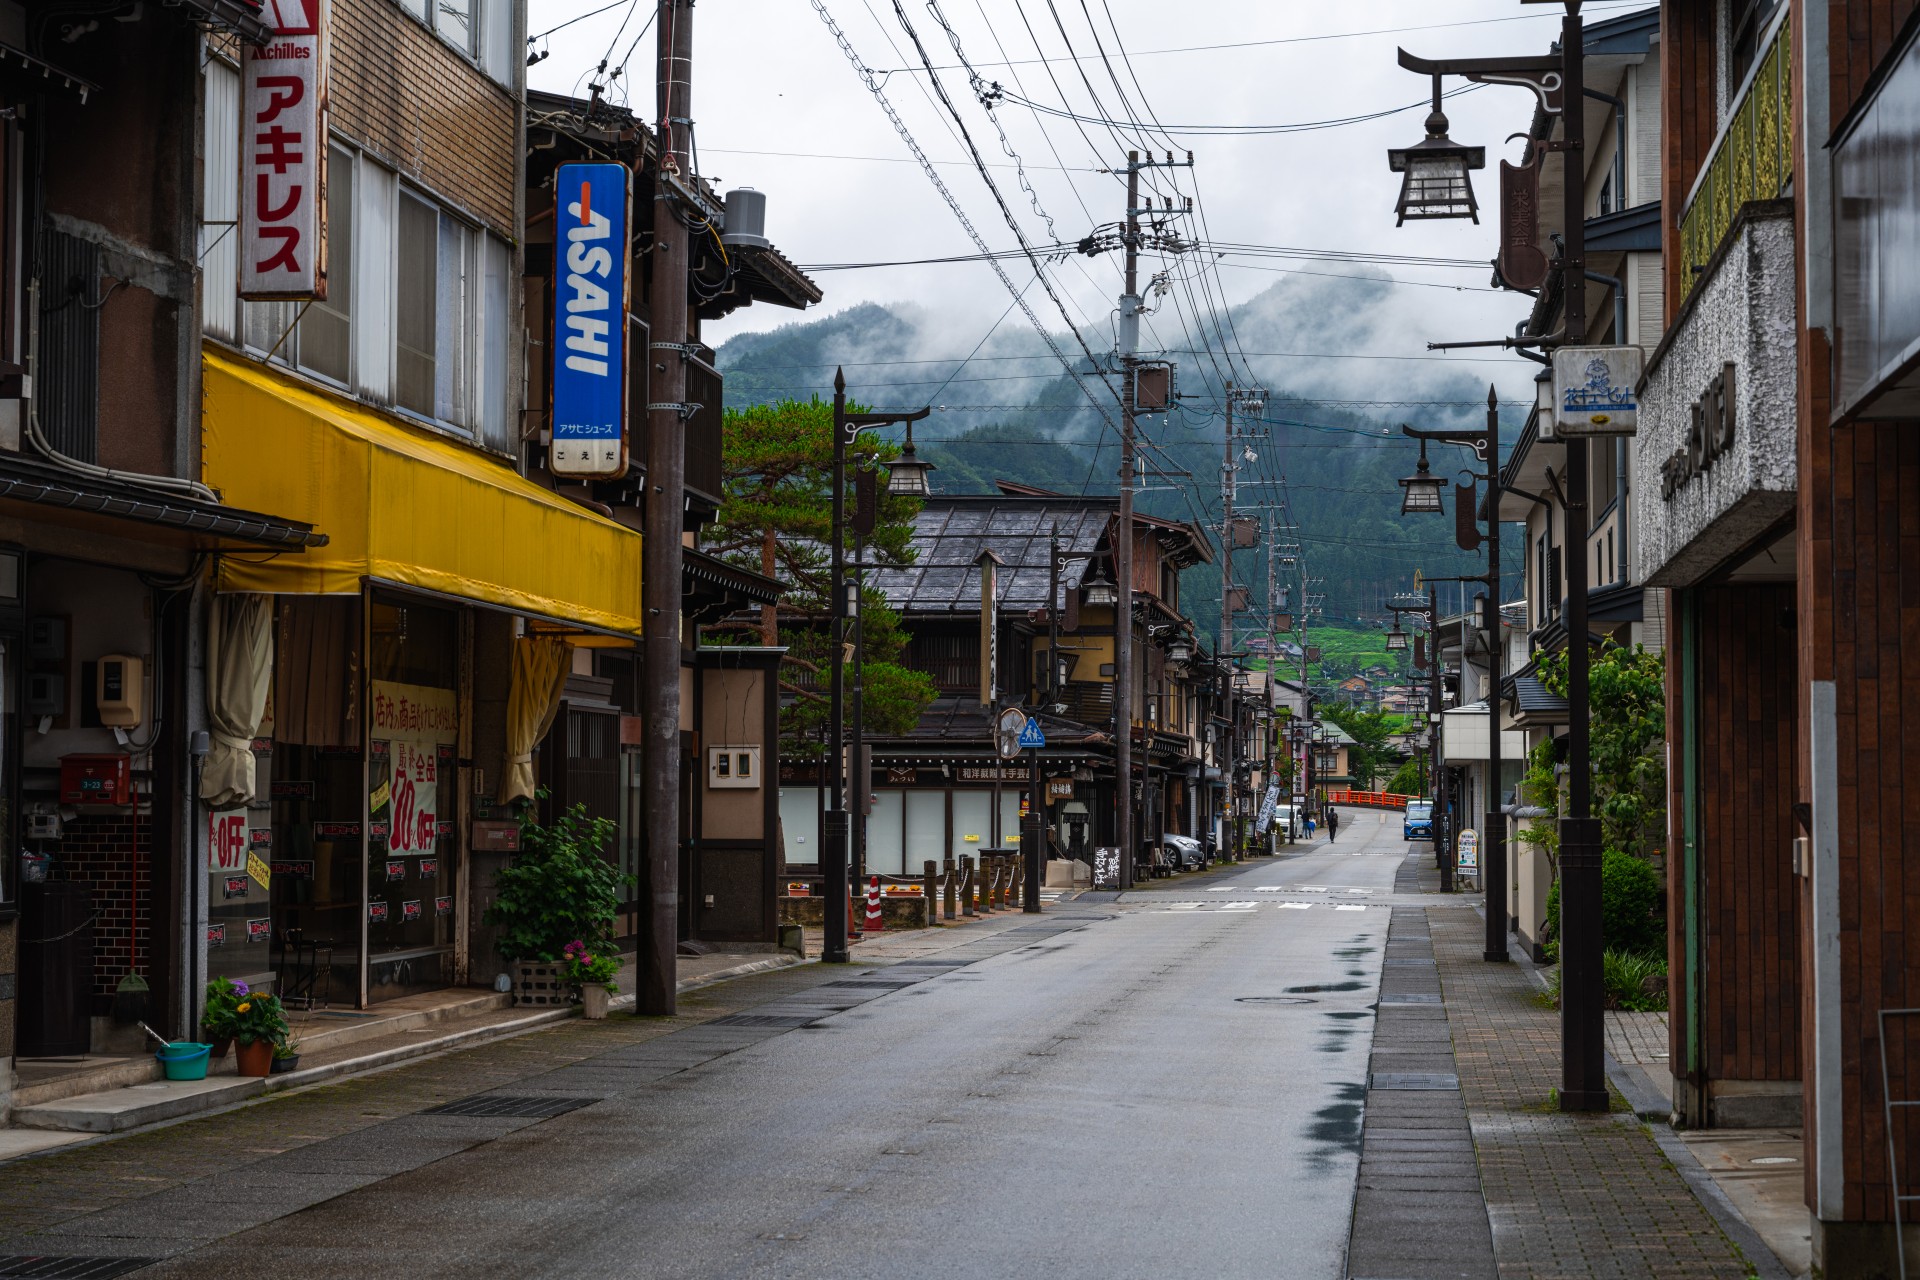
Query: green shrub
(1629, 908)
(1624, 975)
(559, 888)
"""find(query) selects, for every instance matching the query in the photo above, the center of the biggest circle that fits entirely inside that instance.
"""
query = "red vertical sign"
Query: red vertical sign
(283, 156)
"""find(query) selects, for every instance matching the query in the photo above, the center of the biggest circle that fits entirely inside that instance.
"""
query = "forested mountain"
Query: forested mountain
(1329, 438)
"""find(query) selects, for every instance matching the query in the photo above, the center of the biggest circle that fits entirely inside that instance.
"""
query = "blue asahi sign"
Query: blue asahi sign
(591, 257)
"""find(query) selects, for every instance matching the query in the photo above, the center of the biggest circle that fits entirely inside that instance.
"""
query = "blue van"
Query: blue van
(1418, 823)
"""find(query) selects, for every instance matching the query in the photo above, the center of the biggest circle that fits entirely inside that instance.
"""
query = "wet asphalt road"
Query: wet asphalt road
(1120, 1096)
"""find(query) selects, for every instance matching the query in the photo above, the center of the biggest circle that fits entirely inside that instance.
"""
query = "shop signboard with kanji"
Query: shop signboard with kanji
(283, 155)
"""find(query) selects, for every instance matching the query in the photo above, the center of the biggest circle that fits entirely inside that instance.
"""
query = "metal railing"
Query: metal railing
(1752, 159)
(1371, 799)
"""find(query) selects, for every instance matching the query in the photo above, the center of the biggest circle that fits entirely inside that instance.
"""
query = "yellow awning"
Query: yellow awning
(403, 506)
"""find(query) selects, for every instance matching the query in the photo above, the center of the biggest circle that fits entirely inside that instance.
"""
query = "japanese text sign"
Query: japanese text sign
(283, 156)
(591, 257)
(1593, 391)
(415, 721)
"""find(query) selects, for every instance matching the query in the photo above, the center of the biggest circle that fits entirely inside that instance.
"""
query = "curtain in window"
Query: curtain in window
(316, 698)
(539, 674)
(239, 667)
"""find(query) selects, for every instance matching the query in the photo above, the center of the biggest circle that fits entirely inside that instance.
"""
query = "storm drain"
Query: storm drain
(1408, 964)
(55, 1267)
(785, 1021)
(874, 984)
(1415, 1080)
(933, 964)
(1274, 1000)
(1388, 1002)
(496, 1106)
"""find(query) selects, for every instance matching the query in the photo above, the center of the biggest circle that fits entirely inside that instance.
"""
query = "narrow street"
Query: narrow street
(1200, 1115)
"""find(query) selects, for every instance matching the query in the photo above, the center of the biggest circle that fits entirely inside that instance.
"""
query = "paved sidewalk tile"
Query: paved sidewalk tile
(1637, 1038)
(1568, 1195)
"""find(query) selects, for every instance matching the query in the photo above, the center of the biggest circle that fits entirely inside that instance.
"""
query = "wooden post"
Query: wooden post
(1013, 880)
(929, 890)
(950, 882)
(966, 885)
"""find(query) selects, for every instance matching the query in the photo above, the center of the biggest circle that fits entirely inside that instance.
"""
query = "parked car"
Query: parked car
(1184, 853)
(1418, 822)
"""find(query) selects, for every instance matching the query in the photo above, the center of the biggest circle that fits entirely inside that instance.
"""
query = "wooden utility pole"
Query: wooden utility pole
(666, 416)
(1123, 537)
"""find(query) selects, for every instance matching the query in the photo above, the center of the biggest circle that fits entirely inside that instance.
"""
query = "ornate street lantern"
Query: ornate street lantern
(907, 474)
(1100, 588)
(1396, 638)
(1423, 490)
(1436, 183)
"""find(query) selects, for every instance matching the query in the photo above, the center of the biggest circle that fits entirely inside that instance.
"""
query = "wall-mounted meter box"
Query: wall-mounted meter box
(96, 779)
(735, 767)
(46, 694)
(119, 689)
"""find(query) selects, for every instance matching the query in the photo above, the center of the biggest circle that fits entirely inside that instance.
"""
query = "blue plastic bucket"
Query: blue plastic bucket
(184, 1060)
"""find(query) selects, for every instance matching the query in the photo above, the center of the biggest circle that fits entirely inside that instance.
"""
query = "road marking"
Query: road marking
(1238, 906)
(1313, 888)
(1356, 891)
(1224, 888)
(1296, 906)
(1351, 907)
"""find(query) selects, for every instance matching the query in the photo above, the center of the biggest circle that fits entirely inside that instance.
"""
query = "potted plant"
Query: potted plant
(286, 1057)
(560, 887)
(259, 1025)
(223, 994)
(591, 975)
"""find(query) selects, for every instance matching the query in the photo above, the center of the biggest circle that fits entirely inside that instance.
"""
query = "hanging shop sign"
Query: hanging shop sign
(1059, 788)
(415, 721)
(1466, 849)
(1522, 262)
(1593, 391)
(592, 256)
(283, 156)
(1709, 434)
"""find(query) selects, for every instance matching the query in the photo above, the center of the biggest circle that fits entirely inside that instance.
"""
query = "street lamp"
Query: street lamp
(907, 474)
(1423, 489)
(1436, 183)
(1396, 638)
(836, 825)
(1100, 589)
(1558, 82)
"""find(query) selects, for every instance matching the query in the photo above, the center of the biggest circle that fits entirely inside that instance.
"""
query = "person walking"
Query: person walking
(1333, 824)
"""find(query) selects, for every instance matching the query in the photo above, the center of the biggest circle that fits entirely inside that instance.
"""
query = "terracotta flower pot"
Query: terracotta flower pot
(593, 999)
(255, 1059)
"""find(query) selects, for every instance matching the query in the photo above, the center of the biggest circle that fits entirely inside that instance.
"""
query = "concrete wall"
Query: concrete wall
(1742, 314)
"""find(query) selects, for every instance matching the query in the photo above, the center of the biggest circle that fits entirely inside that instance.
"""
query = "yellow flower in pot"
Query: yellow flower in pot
(259, 1024)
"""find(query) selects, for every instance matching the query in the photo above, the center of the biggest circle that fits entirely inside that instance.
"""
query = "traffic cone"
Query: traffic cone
(874, 923)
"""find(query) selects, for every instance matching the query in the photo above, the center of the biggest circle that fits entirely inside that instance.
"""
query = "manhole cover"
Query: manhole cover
(1273, 1000)
(57, 1267)
(1415, 1080)
(501, 1107)
(787, 1020)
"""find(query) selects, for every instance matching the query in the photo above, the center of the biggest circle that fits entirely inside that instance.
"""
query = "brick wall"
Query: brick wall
(404, 94)
(98, 850)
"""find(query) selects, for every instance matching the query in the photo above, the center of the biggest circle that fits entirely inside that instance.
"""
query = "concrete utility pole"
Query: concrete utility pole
(669, 335)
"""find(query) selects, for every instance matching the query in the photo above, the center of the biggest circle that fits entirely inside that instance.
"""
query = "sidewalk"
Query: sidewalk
(1569, 1195)
(333, 1043)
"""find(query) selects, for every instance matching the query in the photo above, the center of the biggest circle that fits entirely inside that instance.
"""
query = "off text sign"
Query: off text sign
(283, 156)
(590, 273)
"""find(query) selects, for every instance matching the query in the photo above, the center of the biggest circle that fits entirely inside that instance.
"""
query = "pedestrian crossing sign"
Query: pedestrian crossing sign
(1031, 735)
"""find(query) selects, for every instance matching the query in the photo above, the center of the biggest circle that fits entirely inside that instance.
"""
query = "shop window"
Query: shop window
(925, 827)
(886, 844)
(800, 825)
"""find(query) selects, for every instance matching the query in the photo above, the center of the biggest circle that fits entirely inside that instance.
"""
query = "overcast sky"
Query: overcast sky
(779, 107)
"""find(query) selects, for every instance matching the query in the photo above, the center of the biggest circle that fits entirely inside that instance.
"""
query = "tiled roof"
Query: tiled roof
(950, 533)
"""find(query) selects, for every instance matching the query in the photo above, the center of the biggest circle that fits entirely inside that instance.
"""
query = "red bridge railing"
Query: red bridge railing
(1371, 799)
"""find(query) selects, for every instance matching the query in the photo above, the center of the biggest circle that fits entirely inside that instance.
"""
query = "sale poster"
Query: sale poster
(227, 841)
(419, 724)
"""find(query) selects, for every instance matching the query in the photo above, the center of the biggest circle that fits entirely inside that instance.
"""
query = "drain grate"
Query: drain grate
(783, 1020)
(874, 984)
(1415, 1080)
(1408, 964)
(1388, 1002)
(1274, 1000)
(932, 964)
(504, 1107)
(69, 1267)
